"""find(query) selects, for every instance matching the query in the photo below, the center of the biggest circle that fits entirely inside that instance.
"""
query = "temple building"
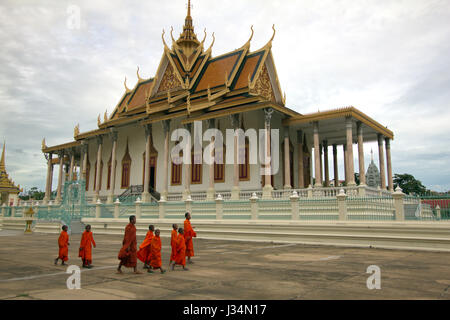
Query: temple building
(130, 149)
(9, 192)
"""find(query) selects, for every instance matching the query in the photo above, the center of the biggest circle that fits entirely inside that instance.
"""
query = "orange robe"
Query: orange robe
(155, 252)
(173, 244)
(143, 253)
(127, 254)
(180, 257)
(189, 233)
(63, 241)
(85, 252)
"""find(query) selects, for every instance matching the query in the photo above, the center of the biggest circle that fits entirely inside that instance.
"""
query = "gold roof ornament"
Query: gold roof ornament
(98, 121)
(76, 130)
(105, 116)
(138, 76)
(164, 41)
(44, 146)
(212, 43)
(125, 85)
(203, 41)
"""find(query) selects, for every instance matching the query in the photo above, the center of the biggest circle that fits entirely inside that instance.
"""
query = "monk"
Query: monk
(85, 252)
(127, 254)
(63, 244)
(155, 253)
(143, 253)
(189, 233)
(180, 257)
(173, 243)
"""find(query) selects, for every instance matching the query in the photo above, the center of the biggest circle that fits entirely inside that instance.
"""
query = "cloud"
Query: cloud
(387, 58)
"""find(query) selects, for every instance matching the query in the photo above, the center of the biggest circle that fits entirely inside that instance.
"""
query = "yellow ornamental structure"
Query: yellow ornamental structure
(8, 190)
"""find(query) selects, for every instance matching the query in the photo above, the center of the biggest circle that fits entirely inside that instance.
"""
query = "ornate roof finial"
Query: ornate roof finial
(2, 160)
(188, 39)
(125, 84)
(76, 130)
(212, 43)
(164, 41)
(137, 73)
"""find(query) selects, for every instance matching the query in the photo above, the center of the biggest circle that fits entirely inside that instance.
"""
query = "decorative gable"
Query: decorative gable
(263, 87)
(169, 80)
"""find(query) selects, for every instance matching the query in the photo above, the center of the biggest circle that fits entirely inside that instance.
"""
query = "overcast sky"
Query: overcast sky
(390, 59)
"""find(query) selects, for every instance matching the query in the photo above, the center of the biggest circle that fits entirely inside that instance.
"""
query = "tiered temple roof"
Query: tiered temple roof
(192, 84)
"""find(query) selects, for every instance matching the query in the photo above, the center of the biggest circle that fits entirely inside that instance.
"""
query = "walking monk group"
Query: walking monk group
(63, 244)
(144, 251)
(85, 251)
(127, 254)
(189, 233)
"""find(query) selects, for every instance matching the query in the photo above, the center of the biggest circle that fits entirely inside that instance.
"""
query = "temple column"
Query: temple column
(335, 166)
(267, 189)
(389, 164)
(344, 148)
(72, 164)
(325, 161)
(60, 176)
(148, 136)
(301, 173)
(350, 161)
(381, 159)
(362, 170)
(187, 159)
(166, 129)
(48, 189)
(287, 162)
(210, 193)
(99, 173)
(113, 167)
(317, 170)
(321, 163)
(235, 190)
(85, 159)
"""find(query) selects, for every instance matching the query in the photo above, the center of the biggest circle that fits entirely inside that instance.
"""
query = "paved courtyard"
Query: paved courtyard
(222, 270)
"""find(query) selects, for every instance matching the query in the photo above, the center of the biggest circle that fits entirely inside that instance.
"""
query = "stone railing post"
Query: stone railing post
(438, 212)
(294, 205)
(138, 204)
(254, 206)
(13, 211)
(116, 209)
(342, 205)
(362, 190)
(188, 203)
(399, 196)
(98, 209)
(219, 207)
(3, 210)
(162, 207)
(310, 191)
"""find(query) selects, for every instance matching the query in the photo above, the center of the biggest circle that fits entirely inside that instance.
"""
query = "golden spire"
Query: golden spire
(188, 39)
(2, 160)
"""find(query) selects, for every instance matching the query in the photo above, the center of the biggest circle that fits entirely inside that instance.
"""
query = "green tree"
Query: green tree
(409, 184)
